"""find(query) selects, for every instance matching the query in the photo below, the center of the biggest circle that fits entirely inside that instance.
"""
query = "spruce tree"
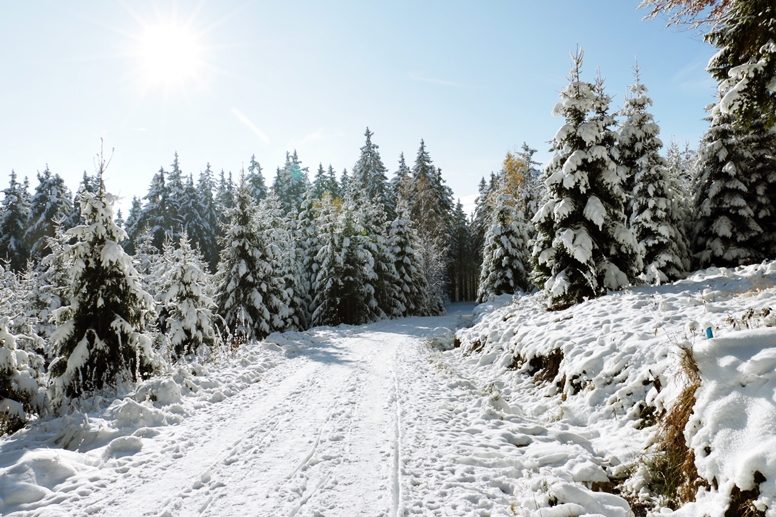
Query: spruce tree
(278, 232)
(176, 201)
(319, 182)
(404, 242)
(50, 205)
(583, 246)
(156, 213)
(652, 209)
(384, 280)
(100, 339)
(206, 236)
(342, 294)
(291, 183)
(760, 175)
(13, 225)
(256, 180)
(185, 299)
(369, 178)
(726, 232)
(745, 66)
(464, 269)
(251, 295)
(132, 224)
(505, 256)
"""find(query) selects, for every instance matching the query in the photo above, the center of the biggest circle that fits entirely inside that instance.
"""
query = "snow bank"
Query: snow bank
(71, 451)
(606, 369)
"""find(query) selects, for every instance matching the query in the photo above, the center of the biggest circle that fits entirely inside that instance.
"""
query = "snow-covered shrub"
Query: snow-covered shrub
(20, 391)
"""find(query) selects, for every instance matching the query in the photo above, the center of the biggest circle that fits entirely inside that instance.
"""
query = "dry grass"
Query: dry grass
(674, 474)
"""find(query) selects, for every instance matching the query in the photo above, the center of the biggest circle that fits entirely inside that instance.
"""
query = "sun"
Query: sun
(170, 55)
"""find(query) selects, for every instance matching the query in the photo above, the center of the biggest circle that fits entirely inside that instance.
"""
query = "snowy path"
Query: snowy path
(356, 421)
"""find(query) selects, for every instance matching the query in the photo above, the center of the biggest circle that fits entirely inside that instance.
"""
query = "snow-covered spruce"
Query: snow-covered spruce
(403, 241)
(100, 340)
(760, 145)
(184, 297)
(504, 255)
(583, 245)
(251, 295)
(369, 180)
(278, 232)
(725, 231)
(21, 393)
(385, 280)
(654, 219)
(745, 65)
(14, 212)
(291, 183)
(49, 206)
(343, 292)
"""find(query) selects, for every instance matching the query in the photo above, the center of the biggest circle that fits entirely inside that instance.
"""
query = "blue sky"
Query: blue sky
(473, 79)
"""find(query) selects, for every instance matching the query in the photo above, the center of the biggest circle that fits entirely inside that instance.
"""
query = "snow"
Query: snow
(428, 416)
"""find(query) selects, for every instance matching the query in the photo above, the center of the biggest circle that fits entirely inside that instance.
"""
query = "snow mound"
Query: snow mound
(606, 369)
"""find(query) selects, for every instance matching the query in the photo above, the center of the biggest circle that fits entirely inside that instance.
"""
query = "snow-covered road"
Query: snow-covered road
(368, 420)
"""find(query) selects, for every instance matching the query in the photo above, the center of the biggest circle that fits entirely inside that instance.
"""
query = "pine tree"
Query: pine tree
(384, 280)
(256, 180)
(206, 236)
(13, 225)
(99, 341)
(653, 220)
(342, 294)
(332, 185)
(278, 232)
(369, 178)
(291, 183)
(307, 246)
(405, 243)
(156, 213)
(505, 254)
(224, 200)
(319, 182)
(176, 201)
(251, 296)
(464, 270)
(760, 175)
(185, 299)
(725, 231)
(50, 205)
(398, 179)
(583, 245)
(430, 201)
(132, 224)
(745, 65)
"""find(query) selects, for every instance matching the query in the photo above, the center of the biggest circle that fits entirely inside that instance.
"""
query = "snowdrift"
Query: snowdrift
(603, 374)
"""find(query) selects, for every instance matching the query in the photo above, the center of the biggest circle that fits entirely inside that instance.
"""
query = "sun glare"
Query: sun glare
(170, 55)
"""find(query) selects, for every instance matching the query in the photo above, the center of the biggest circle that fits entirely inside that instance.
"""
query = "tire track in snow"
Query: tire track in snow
(396, 486)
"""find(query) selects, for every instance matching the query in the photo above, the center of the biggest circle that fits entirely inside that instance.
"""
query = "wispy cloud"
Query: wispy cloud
(245, 120)
(139, 129)
(693, 77)
(319, 134)
(433, 80)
